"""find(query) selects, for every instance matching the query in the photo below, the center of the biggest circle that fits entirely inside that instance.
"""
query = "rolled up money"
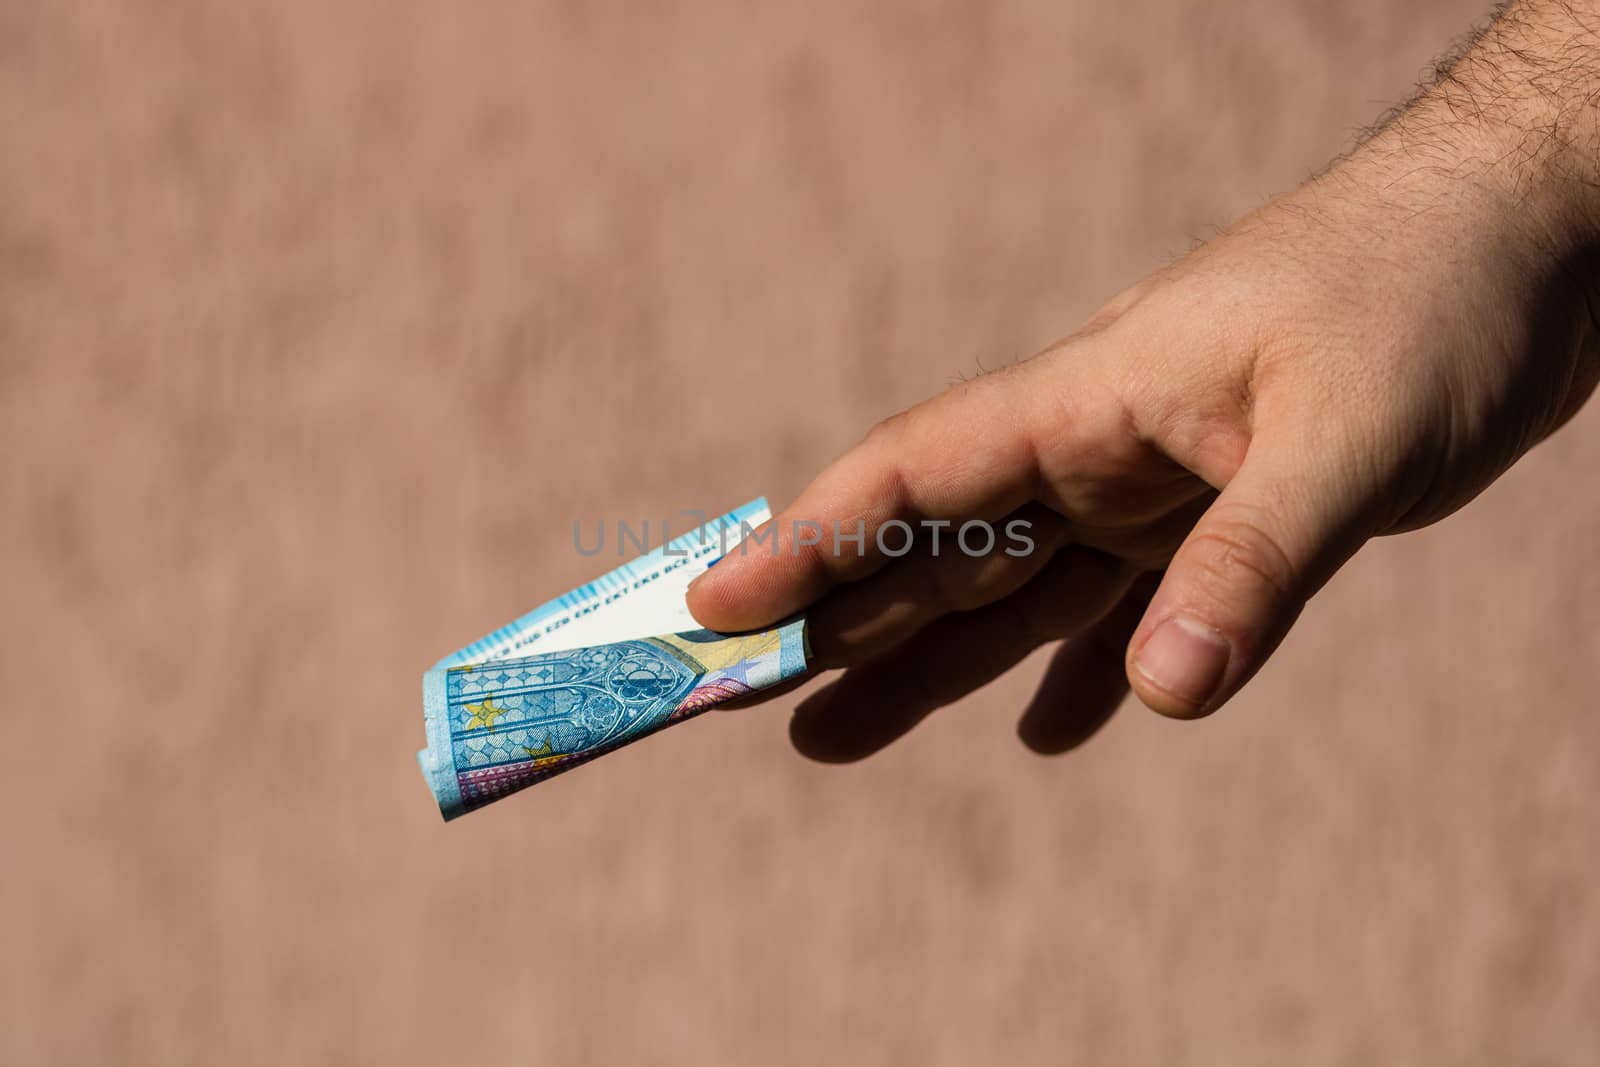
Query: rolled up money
(589, 672)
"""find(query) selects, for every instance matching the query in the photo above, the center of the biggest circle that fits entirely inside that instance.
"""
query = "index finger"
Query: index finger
(965, 454)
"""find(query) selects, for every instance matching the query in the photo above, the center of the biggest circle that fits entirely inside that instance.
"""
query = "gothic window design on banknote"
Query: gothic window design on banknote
(545, 693)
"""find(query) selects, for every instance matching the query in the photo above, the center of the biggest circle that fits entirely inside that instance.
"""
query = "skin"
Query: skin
(1360, 357)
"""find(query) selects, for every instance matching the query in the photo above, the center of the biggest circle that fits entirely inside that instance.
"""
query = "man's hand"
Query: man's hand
(1358, 358)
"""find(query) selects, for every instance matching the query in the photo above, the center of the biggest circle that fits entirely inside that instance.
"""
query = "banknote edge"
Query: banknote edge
(438, 765)
(477, 651)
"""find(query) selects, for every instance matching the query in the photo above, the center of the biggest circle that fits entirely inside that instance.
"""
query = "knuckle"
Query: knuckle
(1074, 591)
(1275, 337)
(1238, 547)
(954, 582)
(890, 427)
(942, 588)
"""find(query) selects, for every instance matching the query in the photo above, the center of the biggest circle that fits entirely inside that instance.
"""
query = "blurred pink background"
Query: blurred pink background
(319, 325)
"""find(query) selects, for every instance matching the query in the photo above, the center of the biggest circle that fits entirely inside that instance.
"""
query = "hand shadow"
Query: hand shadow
(872, 705)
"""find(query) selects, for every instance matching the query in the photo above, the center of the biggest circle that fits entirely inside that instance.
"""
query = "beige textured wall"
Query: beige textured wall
(319, 323)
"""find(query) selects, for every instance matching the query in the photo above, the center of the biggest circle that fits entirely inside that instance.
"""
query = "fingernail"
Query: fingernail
(1186, 658)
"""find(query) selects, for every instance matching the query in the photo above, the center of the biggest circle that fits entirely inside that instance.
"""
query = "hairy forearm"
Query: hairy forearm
(1494, 168)
(1518, 105)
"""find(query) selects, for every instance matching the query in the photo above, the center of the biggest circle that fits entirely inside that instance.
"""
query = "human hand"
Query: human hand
(1358, 358)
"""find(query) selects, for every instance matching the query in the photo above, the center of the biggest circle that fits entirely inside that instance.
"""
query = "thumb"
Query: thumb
(1289, 518)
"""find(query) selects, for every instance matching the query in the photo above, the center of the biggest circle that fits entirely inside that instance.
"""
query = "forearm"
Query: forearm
(1490, 177)
(1517, 112)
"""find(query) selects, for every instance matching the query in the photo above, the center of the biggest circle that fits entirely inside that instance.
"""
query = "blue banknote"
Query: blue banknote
(592, 671)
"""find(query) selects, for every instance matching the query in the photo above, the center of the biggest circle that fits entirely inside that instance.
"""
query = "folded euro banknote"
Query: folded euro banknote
(591, 671)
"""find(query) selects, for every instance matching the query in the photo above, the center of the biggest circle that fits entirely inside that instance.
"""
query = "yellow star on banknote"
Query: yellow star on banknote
(484, 714)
